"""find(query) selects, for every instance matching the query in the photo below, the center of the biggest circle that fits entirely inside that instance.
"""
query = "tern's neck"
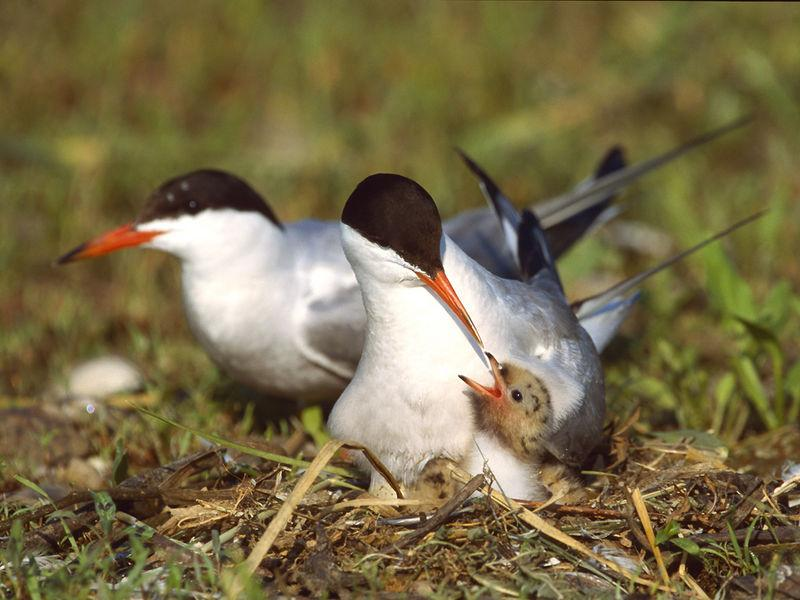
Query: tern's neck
(469, 278)
(235, 269)
(407, 317)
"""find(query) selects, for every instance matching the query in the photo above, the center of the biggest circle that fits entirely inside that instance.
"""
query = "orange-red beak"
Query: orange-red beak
(492, 393)
(442, 288)
(116, 239)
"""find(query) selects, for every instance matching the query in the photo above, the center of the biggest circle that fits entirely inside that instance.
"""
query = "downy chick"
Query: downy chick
(517, 414)
(513, 420)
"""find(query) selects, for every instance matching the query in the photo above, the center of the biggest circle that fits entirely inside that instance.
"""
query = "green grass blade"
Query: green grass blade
(754, 389)
(244, 449)
(31, 485)
(792, 385)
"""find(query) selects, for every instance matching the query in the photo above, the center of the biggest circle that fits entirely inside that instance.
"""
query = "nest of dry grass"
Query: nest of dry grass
(670, 518)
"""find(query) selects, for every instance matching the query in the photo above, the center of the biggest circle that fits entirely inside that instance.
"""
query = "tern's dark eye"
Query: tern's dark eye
(516, 395)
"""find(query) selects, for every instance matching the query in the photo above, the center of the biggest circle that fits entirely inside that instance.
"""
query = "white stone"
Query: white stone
(103, 376)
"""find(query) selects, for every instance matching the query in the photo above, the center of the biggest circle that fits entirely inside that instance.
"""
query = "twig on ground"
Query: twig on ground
(159, 539)
(150, 485)
(574, 509)
(647, 526)
(739, 511)
(372, 501)
(441, 515)
(632, 524)
(780, 535)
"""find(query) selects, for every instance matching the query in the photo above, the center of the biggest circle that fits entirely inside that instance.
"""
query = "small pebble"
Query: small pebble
(102, 377)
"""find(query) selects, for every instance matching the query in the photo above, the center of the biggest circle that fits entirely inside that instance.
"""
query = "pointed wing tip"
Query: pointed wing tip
(613, 160)
(720, 131)
(490, 188)
(741, 223)
(472, 165)
(627, 284)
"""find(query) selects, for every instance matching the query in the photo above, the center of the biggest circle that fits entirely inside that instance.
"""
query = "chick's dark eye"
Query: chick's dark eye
(516, 395)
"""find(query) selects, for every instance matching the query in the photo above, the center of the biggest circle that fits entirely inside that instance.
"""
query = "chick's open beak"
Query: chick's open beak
(116, 239)
(490, 393)
(441, 286)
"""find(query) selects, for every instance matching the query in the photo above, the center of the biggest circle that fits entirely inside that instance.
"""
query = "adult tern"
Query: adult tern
(430, 309)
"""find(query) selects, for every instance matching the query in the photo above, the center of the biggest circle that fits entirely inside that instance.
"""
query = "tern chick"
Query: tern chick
(516, 409)
(516, 414)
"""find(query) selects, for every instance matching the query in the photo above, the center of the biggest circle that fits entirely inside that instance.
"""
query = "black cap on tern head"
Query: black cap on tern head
(201, 190)
(396, 212)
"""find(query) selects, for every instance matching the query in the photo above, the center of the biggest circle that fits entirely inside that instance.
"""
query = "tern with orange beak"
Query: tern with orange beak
(430, 308)
(275, 306)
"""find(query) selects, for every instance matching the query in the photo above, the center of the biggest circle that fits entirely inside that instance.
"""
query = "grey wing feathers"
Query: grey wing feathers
(563, 235)
(477, 232)
(533, 251)
(579, 433)
(557, 239)
(333, 335)
(562, 207)
(503, 208)
(602, 325)
(330, 312)
(525, 239)
(568, 216)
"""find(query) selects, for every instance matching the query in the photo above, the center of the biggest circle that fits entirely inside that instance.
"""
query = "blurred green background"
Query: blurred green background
(102, 101)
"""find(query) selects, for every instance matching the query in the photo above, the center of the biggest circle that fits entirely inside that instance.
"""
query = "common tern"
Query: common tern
(404, 400)
(275, 306)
